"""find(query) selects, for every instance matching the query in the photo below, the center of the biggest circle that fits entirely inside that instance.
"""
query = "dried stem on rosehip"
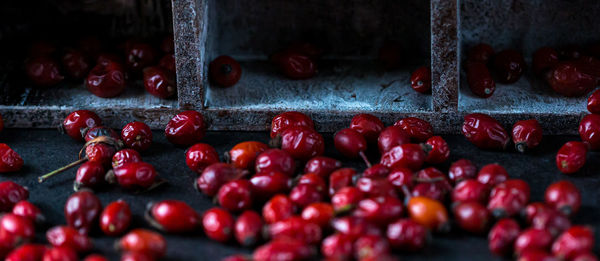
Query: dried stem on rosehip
(364, 158)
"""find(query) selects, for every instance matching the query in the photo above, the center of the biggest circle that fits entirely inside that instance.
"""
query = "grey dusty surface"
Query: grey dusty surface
(45, 150)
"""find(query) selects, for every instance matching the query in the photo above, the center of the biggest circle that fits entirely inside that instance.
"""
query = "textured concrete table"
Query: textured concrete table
(45, 150)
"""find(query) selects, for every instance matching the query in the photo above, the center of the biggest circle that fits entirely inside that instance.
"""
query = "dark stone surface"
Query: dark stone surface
(45, 150)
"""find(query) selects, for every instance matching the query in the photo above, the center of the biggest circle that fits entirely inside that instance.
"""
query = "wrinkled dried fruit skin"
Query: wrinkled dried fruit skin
(390, 137)
(296, 228)
(429, 190)
(563, 196)
(376, 187)
(10, 161)
(174, 216)
(410, 156)
(275, 160)
(462, 169)
(297, 66)
(77, 121)
(304, 194)
(526, 135)
(100, 152)
(248, 228)
(346, 199)
(10, 194)
(532, 209)
(589, 130)
(322, 166)
(266, 185)
(480, 79)
(302, 143)
(20, 228)
(75, 64)
(509, 65)
(367, 125)
(158, 82)
(287, 248)
(401, 177)
(544, 59)
(243, 154)
(288, 119)
(407, 235)
(420, 80)
(376, 171)
(341, 178)
(354, 227)
(485, 132)
(115, 218)
(551, 220)
(577, 239)
(215, 175)
(82, 210)
(28, 210)
(199, 156)
(533, 239)
(502, 236)
(379, 210)
(470, 191)
(186, 128)
(125, 156)
(509, 198)
(90, 175)
(43, 71)
(492, 175)
(137, 135)
(64, 236)
(417, 129)
(567, 79)
(571, 157)
(439, 150)
(143, 240)
(106, 80)
(98, 131)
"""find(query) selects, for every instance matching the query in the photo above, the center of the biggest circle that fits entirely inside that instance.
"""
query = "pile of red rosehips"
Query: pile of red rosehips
(106, 73)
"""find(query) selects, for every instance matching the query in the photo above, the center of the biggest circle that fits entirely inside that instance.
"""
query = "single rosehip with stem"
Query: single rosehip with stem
(532, 209)
(485, 132)
(106, 80)
(297, 228)
(337, 246)
(470, 191)
(544, 59)
(139, 55)
(502, 236)
(186, 128)
(64, 236)
(243, 155)
(492, 174)
(267, 184)
(509, 66)
(89, 175)
(346, 199)
(235, 195)
(289, 248)
(480, 79)
(407, 235)
(289, 119)
(439, 152)
(551, 220)
(215, 175)
(390, 137)
(43, 71)
(571, 157)
(420, 80)
(10, 194)
(125, 156)
(563, 196)
(158, 82)
(10, 160)
(509, 198)
(172, 216)
(144, 241)
(369, 126)
(304, 194)
(75, 64)
(320, 213)
(341, 178)
(526, 135)
(137, 135)
(82, 210)
(577, 239)
(371, 246)
(322, 166)
(115, 218)
(593, 103)
(275, 160)
(379, 210)
(28, 210)
(248, 228)
(278, 208)
(218, 224)
(462, 169)
(532, 239)
(481, 52)
(428, 212)
(411, 156)
(589, 131)
(224, 71)
(199, 156)
(134, 175)
(351, 144)
(417, 129)
(302, 143)
(472, 217)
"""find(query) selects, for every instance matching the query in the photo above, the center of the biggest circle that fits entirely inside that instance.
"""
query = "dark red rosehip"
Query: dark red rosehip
(135, 175)
(571, 157)
(277, 208)
(439, 152)
(532, 209)
(267, 184)
(346, 199)
(75, 64)
(64, 236)
(28, 210)
(563, 196)
(593, 104)
(10, 194)
(106, 80)
(472, 217)
(315, 181)
(302, 143)
(78, 121)
(322, 166)
(390, 137)
(420, 80)
(350, 143)
(115, 218)
(481, 52)
(502, 236)
(407, 235)
(10, 160)
(380, 210)
(578, 239)
(485, 132)
(509, 198)
(289, 119)
(173, 216)
(532, 239)
(320, 213)
(401, 177)
(144, 241)
(417, 129)
(158, 82)
(492, 174)
(551, 220)
(248, 228)
(376, 171)
(125, 156)
(82, 210)
(408, 155)
(367, 125)
(43, 71)
(60, 254)
(225, 71)
(376, 187)
(215, 175)
(275, 160)
(480, 79)
(341, 178)
(186, 128)
(537, 255)
(235, 195)
(139, 55)
(27, 252)
(20, 229)
(218, 224)
(589, 130)
(289, 248)
(462, 169)
(470, 191)
(429, 190)
(167, 63)
(89, 175)
(526, 135)
(509, 65)
(354, 227)
(297, 228)
(544, 59)
(296, 66)
(199, 156)
(371, 246)
(337, 246)
(567, 79)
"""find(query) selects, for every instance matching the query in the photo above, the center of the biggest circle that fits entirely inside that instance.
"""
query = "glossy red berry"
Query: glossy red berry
(341, 178)
(173, 216)
(106, 80)
(532, 209)
(10, 194)
(439, 152)
(275, 160)
(346, 199)
(481, 52)
(429, 190)
(429, 175)
(417, 129)
(278, 208)
(302, 143)
(480, 79)
(354, 227)
(286, 248)
(380, 210)
(304, 194)
(215, 175)
(376, 171)
(267, 184)
(320, 213)
(27, 252)
(567, 79)
(158, 82)
(369, 126)
(502, 236)
(89, 175)
(471, 191)
(376, 187)
(82, 210)
(139, 55)
(115, 218)
(472, 217)
(593, 104)
(225, 71)
(371, 246)
(297, 228)
(136, 175)
(28, 210)
(75, 64)
(136, 256)
(296, 66)
(125, 156)
(462, 169)
(218, 224)
(186, 128)
(401, 177)
(10, 160)
(20, 229)
(571, 157)
(526, 135)
(420, 80)
(43, 71)
(199, 156)
(533, 239)
(509, 198)
(350, 143)
(248, 228)
(137, 135)
(492, 175)
(485, 132)
(322, 166)
(337, 246)
(589, 130)
(243, 155)
(551, 220)
(563, 196)
(509, 65)
(235, 195)
(315, 181)
(576, 240)
(544, 59)
(390, 137)
(407, 235)
(289, 119)
(408, 155)
(64, 236)
(144, 241)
